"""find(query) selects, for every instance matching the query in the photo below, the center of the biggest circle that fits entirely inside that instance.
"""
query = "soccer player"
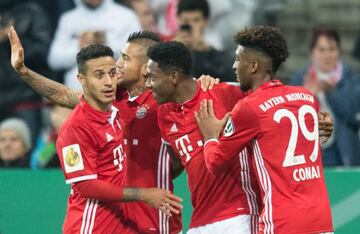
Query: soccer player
(91, 152)
(281, 124)
(223, 203)
(146, 154)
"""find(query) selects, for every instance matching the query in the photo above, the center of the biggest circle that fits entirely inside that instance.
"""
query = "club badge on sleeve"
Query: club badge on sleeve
(72, 158)
(229, 128)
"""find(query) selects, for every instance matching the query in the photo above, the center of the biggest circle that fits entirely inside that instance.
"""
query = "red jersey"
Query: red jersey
(214, 197)
(89, 146)
(282, 124)
(148, 163)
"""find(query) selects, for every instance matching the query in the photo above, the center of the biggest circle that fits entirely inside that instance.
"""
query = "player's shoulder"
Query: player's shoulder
(225, 88)
(297, 89)
(77, 120)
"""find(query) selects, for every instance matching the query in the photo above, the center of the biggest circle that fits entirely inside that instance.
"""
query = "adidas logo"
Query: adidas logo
(173, 128)
(109, 137)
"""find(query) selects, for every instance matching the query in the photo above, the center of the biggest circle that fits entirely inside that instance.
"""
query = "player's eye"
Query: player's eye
(99, 75)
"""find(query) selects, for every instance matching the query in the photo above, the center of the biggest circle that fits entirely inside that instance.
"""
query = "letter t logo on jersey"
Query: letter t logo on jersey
(182, 148)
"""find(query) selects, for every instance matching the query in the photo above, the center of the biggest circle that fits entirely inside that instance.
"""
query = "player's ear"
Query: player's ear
(175, 76)
(143, 71)
(81, 79)
(254, 65)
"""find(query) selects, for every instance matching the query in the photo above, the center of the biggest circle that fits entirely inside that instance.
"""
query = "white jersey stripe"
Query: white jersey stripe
(93, 216)
(252, 193)
(84, 216)
(246, 182)
(164, 185)
(167, 188)
(268, 195)
(88, 216)
(162, 148)
(264, 188)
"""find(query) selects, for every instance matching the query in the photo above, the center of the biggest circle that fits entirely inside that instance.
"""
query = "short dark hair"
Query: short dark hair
(327, 32)
(170, 56)
(266, 39)
(144, 35)
(92, 51)
(194, 5)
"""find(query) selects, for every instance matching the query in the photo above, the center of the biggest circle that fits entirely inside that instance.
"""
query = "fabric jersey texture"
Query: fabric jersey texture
(281, 122)
(214, 197)
(148, 162)
(89, 146)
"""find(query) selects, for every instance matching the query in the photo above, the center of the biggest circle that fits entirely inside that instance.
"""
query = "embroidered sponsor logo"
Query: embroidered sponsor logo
(72, 158)
(229, 128)
(142, 111)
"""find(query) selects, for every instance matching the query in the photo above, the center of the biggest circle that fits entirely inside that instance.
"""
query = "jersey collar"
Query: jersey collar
(190, 103)
(100, 116)
(141, 98)
(124, 94)
(270, 84)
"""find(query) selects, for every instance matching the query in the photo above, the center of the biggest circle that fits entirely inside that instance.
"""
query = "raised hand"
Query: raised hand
(208, 124)
(326, 127)
(208, 82)
(17, 51)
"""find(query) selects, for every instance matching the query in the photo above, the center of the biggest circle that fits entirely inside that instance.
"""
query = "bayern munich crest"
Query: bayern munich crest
(142, 111)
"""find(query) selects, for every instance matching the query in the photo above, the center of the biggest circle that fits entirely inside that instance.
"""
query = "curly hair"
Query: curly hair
(266, 39)
(92, 51)
(170, 56)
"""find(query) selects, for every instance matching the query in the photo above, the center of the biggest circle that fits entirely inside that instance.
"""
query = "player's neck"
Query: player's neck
(137, 89)
(104, 107)
(262, 79)
(185, 90)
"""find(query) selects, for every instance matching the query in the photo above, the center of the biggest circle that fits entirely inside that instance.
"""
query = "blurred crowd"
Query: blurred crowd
(52, 32)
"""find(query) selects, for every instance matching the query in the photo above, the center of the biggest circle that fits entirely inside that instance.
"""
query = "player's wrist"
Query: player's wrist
(23, 71)
(211, 137)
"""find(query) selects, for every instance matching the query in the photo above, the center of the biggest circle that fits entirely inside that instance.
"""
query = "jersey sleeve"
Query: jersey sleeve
(229, 94)
(161, 124)
(241, 127)
(77, 152)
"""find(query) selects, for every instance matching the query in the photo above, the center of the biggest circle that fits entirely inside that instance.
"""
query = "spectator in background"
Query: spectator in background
(44, 155)
(89, 21)
(16, 98)
(15, 143)
(193, 18)
(145, 14)
(338, 90)
(87, 39)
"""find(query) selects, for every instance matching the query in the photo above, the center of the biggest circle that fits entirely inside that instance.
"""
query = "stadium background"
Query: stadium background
(35, 201)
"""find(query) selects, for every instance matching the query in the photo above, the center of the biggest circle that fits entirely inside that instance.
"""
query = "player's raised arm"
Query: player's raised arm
(50, 89)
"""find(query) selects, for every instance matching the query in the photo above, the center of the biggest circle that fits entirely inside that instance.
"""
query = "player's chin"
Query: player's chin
(108, 98)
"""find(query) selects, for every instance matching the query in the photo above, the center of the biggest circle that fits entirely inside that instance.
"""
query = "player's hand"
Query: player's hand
(17, 52)
(209, 125)
(326, 127)
(208, 82)
(163, 200)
